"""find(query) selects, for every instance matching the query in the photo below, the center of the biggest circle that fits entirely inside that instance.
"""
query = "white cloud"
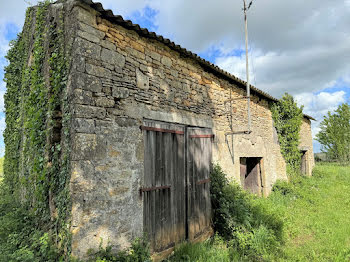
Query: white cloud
(295, 71)
(318, 105)
(14, 11)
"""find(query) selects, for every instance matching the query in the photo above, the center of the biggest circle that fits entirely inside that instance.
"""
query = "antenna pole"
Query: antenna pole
(247, 64)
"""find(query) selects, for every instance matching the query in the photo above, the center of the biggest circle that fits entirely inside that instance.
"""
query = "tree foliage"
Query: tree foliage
(335, 134)
(287, 117)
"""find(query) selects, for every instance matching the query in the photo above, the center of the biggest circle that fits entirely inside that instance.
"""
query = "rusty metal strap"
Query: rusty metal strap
(148, 189)
(204, 181)
(148, 128)
(202, 136)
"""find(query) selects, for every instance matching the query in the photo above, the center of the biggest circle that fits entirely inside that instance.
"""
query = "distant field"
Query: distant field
(316, 214)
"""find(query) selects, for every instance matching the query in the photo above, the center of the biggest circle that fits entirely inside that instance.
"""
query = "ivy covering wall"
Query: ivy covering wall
(36, 165)
(288, 117)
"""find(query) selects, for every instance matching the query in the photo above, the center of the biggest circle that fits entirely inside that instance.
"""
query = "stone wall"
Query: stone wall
(306, 144)
(118, 79)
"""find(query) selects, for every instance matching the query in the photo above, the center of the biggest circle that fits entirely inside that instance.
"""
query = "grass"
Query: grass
(317, 216)
(316, 221)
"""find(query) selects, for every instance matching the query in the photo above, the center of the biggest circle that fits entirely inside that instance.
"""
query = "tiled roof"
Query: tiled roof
(117, 19)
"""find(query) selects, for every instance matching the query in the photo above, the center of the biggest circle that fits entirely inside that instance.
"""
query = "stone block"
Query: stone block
(88, 147)
(153, 55)
(82, 97)
(98, 71)
(87, 82)
(112, 57)
(83, 125)
(126, 122)
(166, 61)
(83, 173)
(108, 44)
(135, 53)
(78, 63)
(120, 92)
(91, 30)
(105, 102)
(84, 111)
(103, 27)
(84, 16)
(84, 146)
(107, 66)
(142, 81)
(86, 48)
(107, 90)
(137, 46)
(89, 37)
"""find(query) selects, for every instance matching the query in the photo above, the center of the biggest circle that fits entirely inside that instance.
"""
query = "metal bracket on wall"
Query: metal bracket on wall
(204, 181)
(149, 128)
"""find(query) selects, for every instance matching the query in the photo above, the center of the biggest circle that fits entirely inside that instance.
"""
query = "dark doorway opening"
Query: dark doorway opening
(304, 166)
(251, 178)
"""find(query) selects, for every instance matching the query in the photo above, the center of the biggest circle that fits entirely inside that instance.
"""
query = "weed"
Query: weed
(139, 252)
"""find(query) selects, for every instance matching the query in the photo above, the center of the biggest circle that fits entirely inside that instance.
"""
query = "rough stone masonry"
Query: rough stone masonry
(121, 76)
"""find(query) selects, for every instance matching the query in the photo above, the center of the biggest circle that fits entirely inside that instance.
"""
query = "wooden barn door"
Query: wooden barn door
(164, 195)
(176, 194)
(199, 151)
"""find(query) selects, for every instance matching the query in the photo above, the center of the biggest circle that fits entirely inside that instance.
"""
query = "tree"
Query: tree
(287, 117)
(335, 134)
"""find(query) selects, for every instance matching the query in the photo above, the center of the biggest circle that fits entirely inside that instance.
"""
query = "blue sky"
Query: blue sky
(9, 32)
(298, 47)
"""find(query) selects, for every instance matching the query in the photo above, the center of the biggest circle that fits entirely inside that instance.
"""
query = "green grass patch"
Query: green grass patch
(317, 212)
(304, 220)
(212, 250)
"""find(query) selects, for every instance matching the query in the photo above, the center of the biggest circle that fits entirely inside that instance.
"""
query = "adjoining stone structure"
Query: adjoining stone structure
(122, 75)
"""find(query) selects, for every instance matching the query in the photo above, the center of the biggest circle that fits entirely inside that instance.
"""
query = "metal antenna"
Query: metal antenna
(248, 131)
(245, 9)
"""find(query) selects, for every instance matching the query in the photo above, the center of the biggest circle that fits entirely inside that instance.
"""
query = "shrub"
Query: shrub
(139, 252)
(283, 187)
(20, 240)
(251, 226)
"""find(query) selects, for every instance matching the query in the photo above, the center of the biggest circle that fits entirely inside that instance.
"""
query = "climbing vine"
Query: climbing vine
(60, 117)
(16, 78)
(287, 117)
(36, 166)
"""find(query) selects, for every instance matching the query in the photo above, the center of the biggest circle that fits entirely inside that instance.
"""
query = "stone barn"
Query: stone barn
(147, 118)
